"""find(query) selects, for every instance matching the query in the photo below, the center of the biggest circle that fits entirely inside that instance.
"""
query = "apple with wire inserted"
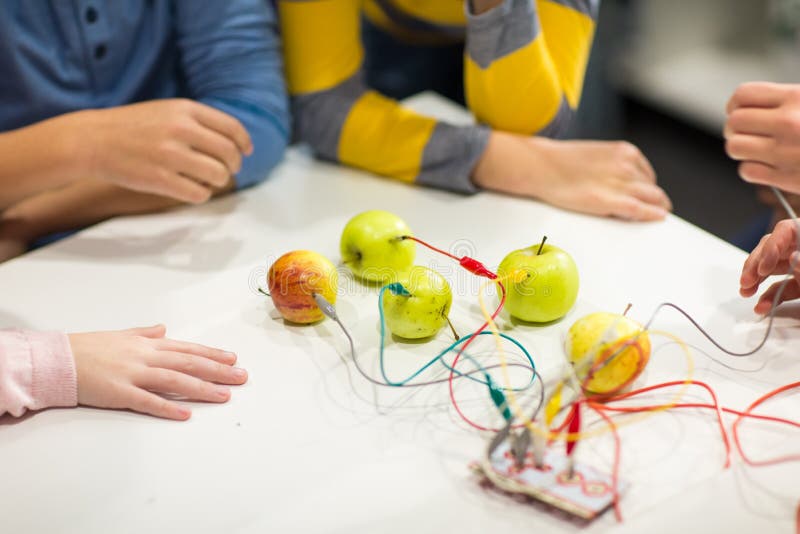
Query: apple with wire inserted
(372, 246)
(417, 305)
(293, 280)
(541, 283)
(608, 351)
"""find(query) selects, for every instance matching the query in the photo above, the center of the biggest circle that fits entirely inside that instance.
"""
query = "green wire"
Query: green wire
(398, 289)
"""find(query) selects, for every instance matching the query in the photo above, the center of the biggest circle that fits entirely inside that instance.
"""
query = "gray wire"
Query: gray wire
(771, 317)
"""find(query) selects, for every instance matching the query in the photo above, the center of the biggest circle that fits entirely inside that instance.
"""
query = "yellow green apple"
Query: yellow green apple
(424, 310)
(541, 283)
(373, 248)
(294, 278)
(608, 351)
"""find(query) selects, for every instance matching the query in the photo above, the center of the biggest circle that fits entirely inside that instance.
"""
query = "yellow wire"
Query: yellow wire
(573, 436)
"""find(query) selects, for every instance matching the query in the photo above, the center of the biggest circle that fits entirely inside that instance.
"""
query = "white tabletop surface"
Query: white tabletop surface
(300, 448)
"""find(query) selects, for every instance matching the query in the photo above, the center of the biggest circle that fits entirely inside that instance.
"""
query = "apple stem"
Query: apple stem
(628, 307)
(452, 328)
(541, 245)
(263, 292)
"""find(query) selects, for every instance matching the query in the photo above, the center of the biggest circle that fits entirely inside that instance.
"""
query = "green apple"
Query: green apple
(424, 310)
(373, 248)
(541, 283)
(596, 340)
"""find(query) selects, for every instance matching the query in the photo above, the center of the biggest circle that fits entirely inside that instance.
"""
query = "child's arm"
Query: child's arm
(174, 148)
(343, 120)
(118, 369)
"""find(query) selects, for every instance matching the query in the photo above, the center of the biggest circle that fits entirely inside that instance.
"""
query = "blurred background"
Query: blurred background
(660, 75)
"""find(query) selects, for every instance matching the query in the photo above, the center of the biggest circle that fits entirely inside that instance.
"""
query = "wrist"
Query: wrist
(513, 164)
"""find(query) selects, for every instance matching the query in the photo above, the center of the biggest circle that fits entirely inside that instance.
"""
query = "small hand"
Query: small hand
(596, 177)
(773, 255)
(122, 369)
(175, 148)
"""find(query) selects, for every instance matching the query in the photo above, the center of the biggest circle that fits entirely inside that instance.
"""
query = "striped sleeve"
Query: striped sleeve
(525, 62)
(344, 121)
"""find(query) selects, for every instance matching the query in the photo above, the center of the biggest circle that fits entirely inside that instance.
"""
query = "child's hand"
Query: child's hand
(120, 370)
(175, 148)
(597, 177)
(773, 255)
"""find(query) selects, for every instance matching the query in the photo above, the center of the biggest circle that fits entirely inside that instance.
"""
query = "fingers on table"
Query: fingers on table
(219, 355)
(199, 367)
(629, 207)
(174, 382)
(172, 184)
(143, 401)
(649, 193)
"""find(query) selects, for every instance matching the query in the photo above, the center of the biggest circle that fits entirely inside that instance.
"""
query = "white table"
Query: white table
(300, 449)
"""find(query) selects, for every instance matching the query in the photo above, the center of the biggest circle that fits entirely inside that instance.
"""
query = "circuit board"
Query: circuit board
(587, 494)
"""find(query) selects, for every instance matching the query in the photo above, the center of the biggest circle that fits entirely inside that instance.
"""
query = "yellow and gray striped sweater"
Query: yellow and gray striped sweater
(524, 64)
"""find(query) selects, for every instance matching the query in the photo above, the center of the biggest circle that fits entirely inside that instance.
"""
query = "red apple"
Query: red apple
(294, 278)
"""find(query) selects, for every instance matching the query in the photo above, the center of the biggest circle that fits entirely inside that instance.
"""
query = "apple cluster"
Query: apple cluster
(608, 350)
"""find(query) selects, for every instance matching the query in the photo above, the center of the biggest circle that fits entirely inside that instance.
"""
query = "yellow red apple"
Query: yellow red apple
(593, 346)
(294, 278)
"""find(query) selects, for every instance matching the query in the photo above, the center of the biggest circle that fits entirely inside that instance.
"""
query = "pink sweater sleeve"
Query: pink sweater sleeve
(37, 371)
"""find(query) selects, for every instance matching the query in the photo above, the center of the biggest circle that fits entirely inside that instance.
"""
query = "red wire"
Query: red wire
(747, 413)
(636, 409)
(424, 244)
(716, 406)
(601, 408)
(458, 355)
(483, 272)
(617, 453)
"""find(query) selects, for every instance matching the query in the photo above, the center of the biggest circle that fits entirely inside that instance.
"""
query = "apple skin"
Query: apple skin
(549, 287)
(605, 333)
(371, 249)
(424, 312)
(294, 277)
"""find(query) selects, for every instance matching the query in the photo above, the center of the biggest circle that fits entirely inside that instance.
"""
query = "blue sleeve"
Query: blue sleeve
(231, 59)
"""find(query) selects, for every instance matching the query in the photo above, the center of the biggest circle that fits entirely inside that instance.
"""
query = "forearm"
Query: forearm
(38, 158)
(75, 206)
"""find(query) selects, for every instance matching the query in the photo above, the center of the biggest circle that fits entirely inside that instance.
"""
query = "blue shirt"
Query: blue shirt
(58, 56)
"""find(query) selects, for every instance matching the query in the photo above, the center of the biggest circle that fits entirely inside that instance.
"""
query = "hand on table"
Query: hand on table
(122, 369)
(763, 132)
(175, 148)
(596, 177)
(773, 255)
